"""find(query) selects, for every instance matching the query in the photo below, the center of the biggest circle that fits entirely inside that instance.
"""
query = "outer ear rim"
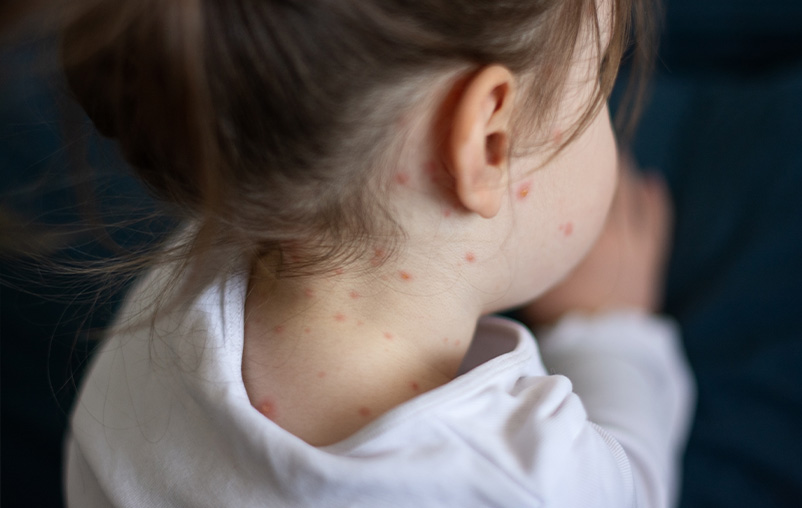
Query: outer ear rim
(477, 151)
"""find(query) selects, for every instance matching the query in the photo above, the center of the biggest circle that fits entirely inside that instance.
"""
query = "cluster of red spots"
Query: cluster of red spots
(455, 342)
(339, 317)
(354, 295)
(470, 257)
(415, 386)
(567, 228)
(523, 190)
(268, 409)
(405, 275)
(401, 178)
(364, 412)
(388, 335)
(278, 329)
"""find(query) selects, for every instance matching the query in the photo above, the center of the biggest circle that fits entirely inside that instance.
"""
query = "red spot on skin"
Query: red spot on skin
(278, 329)
(339, 317)
(470, 257)
(309, 293)
(364, 412)
(401, 178)
(321, 374)
(339, 271)
(567, 228)
(268, 409)
(415, 387)
(378, 256)
(445, 340)
(523, 190)
(359, 322)
(307, 330)
(405, 275)
(354, 295)
(447, 212)
(457, 342)
(388, 335)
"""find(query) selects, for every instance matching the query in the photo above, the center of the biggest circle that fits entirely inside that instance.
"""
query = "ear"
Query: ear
(476, 148)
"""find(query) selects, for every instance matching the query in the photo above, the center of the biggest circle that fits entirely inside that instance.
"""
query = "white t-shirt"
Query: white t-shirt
(163, 419)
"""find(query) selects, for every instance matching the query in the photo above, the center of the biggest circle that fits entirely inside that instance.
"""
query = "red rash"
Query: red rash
(405, 275)
(470, 257)
(364, 412)
(339, 271)
(307, 330)
(401, 178)
(278, 329)
(268, 409)
(339, 317)
(567, 228)
(388, 335)
(415, 387)
(354, 295)
(378, 256)
(321, 374)
(523, 190)
(309, 293)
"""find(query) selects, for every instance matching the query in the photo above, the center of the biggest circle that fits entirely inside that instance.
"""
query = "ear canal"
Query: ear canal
(496, 149)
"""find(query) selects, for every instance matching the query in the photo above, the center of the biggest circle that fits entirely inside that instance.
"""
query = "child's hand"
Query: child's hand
(625, 267)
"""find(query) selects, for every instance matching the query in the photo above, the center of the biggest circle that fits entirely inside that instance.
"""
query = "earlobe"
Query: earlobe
(478, 144)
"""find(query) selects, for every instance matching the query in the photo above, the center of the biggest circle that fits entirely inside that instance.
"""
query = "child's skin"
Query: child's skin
(325, 355)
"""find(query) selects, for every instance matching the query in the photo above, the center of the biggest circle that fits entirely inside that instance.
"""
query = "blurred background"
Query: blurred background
(723, 122)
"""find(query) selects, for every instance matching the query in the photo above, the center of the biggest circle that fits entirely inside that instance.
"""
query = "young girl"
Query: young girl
(362, 182)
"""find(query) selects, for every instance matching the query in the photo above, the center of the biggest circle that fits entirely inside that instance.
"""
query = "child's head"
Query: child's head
(284, 126)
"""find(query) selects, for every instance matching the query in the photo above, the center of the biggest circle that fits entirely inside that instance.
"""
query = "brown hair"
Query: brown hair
(262, 120)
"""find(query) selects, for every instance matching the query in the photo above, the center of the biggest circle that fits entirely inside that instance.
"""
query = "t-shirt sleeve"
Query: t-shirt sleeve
(630, 374)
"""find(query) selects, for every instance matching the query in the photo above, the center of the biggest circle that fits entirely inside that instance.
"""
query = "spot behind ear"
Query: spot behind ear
(476, 149)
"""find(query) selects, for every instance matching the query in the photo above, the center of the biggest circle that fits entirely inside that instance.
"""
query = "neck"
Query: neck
(390, 309)
(367, 339)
